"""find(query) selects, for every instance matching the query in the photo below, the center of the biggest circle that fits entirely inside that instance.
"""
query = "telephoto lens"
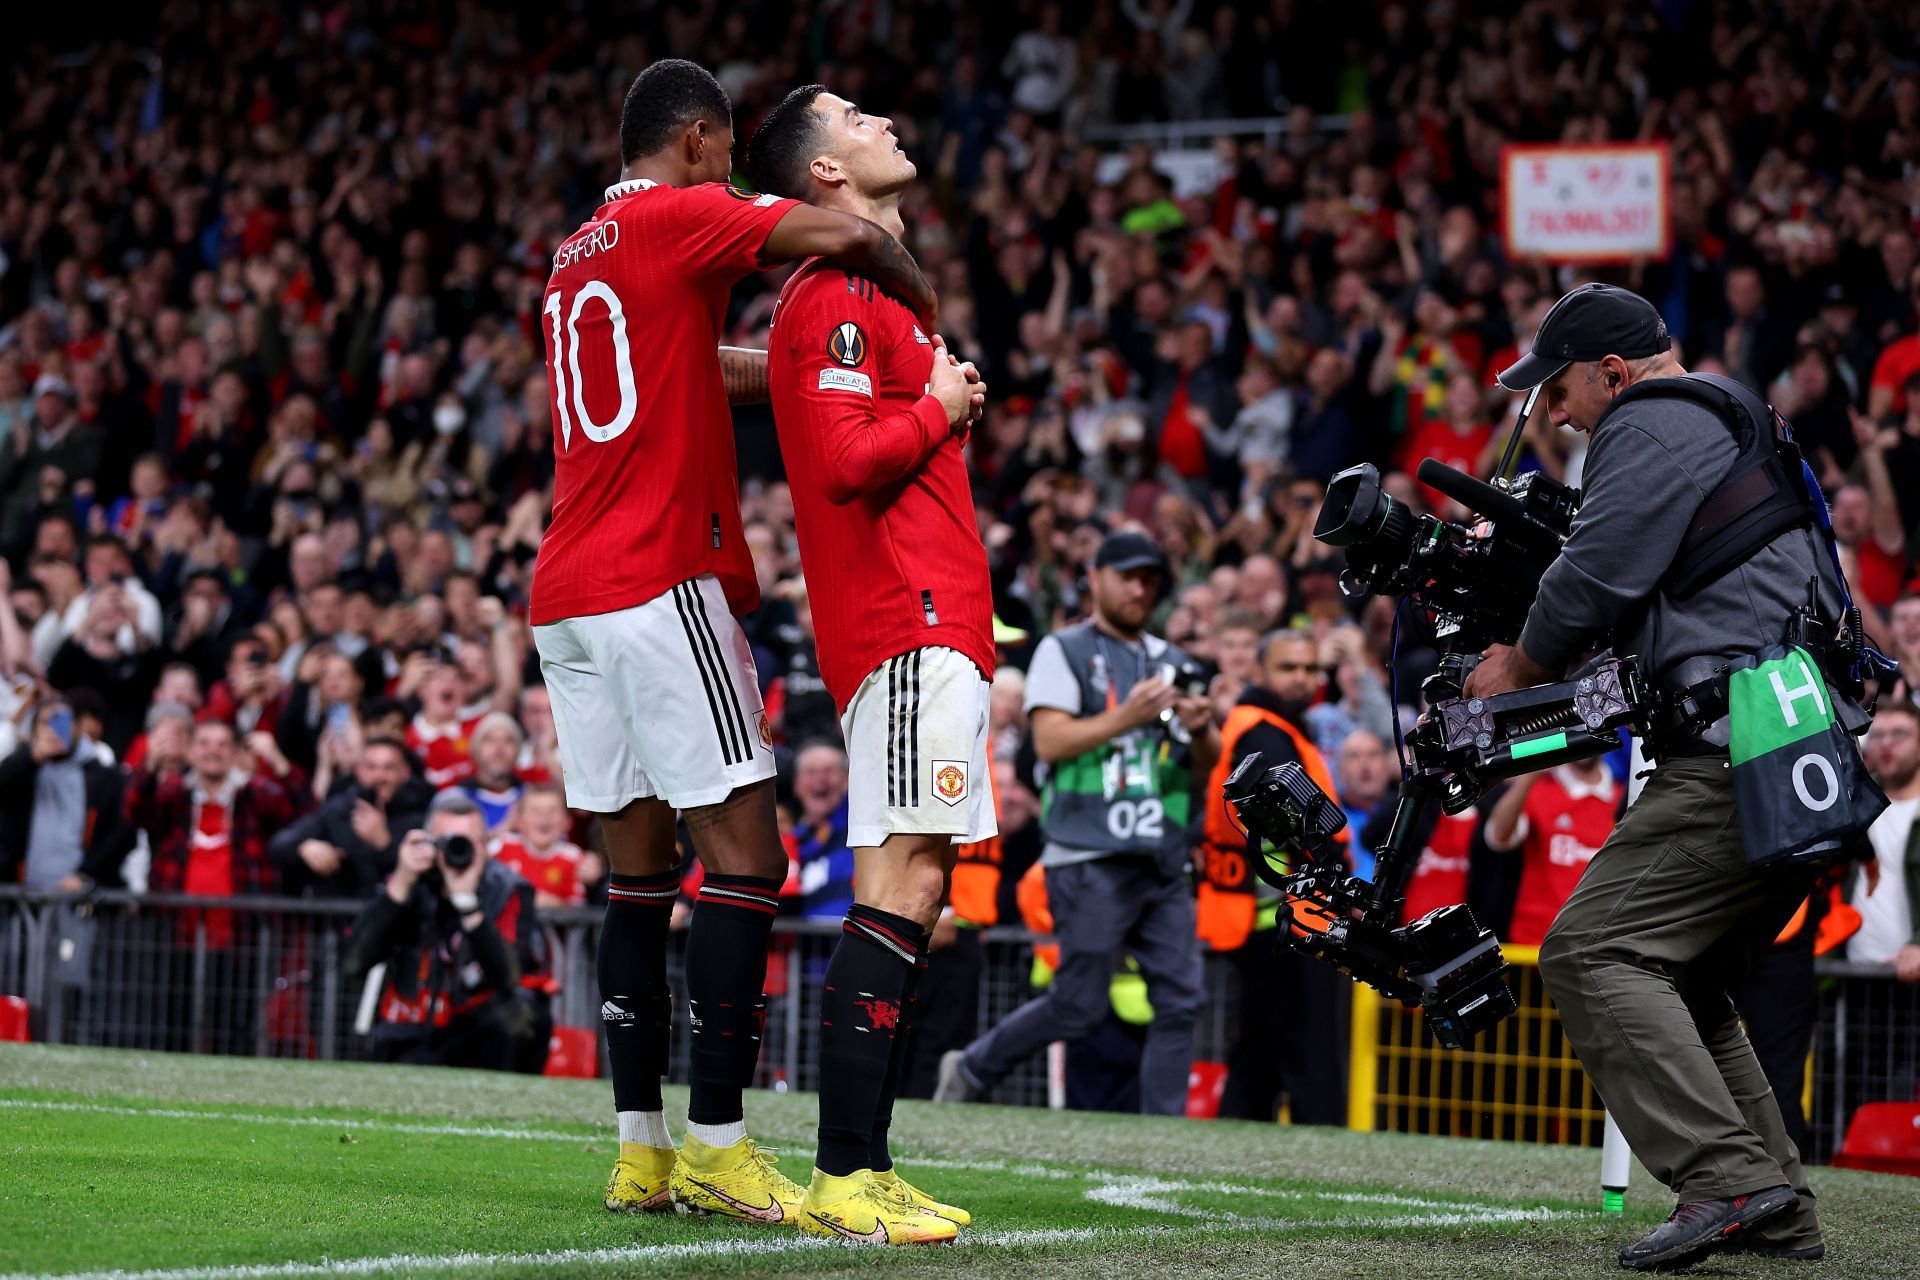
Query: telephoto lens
(456, 851)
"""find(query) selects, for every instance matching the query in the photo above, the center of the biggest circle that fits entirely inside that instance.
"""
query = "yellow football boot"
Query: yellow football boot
(890, 1179)
(639, 1181)
(740, 1182)
(858, 1208)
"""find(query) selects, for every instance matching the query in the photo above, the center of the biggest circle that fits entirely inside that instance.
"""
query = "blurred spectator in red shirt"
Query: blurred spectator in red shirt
(536, 846)
(441, 735)
(1557, 821)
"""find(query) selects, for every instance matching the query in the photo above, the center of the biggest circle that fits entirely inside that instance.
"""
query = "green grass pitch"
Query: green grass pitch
(190, 1168)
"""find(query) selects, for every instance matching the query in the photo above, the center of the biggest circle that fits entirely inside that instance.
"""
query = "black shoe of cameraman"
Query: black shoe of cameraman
(1698, 1227)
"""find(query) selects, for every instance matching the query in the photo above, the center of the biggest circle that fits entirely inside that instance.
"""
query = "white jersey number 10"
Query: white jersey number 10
(568, 393)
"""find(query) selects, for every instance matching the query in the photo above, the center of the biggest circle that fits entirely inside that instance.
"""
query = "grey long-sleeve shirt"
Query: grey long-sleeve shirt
(1648, 469)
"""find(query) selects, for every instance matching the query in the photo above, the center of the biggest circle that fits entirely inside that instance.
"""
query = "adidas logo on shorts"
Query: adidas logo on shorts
(611, 1012)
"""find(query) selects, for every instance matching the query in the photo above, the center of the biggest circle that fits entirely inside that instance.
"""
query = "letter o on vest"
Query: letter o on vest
(1831, 779)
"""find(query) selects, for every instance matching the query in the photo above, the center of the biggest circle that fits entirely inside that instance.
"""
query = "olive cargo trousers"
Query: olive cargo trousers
(1641, 963)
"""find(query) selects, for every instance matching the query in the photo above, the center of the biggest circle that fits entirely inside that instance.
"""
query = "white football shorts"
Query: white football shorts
(657, 700)
(916, 734)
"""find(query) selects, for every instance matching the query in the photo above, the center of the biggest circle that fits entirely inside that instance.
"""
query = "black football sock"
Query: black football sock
(881, 1158)
(726, 974)
(866, 985)
(636, 1009)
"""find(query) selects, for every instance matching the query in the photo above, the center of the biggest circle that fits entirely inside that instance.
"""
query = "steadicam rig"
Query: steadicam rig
(1474, 584)
(1466, 744)
(1444, 962)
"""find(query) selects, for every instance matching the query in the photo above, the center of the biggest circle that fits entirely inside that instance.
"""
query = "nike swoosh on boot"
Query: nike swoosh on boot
(876, 1236)
(770, 1212)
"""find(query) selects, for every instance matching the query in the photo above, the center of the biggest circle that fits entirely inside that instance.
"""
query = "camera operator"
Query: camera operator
(1669, 914)
(455, 931)
(1123, 744)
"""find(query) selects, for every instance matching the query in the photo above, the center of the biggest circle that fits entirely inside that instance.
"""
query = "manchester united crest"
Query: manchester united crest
(950, 780)
(848, 345)
(883, 1014)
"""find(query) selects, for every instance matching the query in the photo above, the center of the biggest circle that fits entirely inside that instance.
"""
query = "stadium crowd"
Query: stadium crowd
(275, 450)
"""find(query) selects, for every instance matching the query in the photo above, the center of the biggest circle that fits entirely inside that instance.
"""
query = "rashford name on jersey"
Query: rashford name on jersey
(646, 494)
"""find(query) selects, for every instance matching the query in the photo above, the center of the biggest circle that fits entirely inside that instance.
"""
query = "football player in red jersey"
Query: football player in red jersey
(871, 413)
(634, 594)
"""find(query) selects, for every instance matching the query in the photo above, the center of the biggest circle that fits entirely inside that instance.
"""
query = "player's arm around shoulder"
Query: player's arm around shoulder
(860, 246)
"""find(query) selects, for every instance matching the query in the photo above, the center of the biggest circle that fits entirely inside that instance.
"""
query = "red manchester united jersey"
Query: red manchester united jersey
(1565, 821)
(1440, 877)
(445, 752)
(556, 871)
(645, 495)
(880, 497)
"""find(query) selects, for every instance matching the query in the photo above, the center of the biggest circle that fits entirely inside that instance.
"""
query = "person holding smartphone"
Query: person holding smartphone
(61, 825)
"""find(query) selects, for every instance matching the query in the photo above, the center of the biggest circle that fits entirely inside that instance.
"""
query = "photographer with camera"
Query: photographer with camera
(453, 931)
(1689, 553)
(1122, 720)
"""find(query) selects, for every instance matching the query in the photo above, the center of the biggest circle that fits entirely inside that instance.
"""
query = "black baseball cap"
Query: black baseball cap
(1129, 550)
(1594, 320)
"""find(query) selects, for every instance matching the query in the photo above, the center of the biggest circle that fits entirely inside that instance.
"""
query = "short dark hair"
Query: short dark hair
(1899, 707)
(785, 144)
(666, 98)
(87, 701)
(377, 708)
(384, 741)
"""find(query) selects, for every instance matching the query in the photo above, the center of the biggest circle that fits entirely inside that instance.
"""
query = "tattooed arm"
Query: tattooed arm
(862, 247)
(744, 370)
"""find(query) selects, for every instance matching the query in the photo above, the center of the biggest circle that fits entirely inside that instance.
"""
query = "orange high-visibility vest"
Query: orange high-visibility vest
(1839, 922)
(1227, 906)
(974, 891)
(1037, 914)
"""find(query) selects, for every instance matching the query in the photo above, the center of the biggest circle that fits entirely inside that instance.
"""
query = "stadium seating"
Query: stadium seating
(13, 1020)
(1884, 1137)
(574, 1052)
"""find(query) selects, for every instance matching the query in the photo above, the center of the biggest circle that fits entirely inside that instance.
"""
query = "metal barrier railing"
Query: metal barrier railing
(1866, 1047)
(262, 977)
(1522, 1082)
(1518, 1082)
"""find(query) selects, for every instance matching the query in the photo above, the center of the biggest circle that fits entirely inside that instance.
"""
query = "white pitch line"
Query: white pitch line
(743, 1247)
(319, 1122)
(1024, 1169)
(1142, 1192)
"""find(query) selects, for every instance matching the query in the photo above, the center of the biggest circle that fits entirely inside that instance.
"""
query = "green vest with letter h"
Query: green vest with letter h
(1133, 795)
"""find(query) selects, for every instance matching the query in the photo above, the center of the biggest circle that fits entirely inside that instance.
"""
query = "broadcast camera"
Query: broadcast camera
(1478, 584)
(1475, 585)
